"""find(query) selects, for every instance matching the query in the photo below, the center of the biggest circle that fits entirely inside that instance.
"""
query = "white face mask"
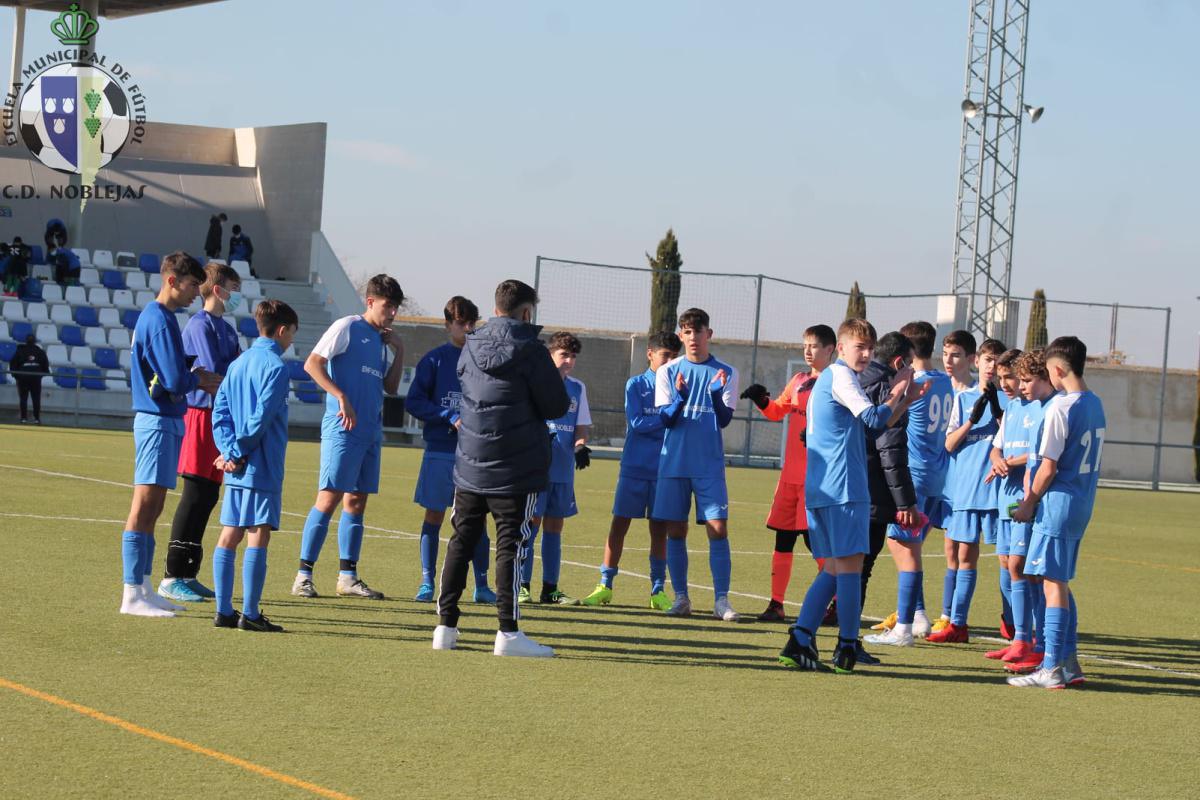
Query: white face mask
(234, 302)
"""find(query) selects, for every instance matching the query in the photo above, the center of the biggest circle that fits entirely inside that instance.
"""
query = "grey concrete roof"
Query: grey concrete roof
(112, 9)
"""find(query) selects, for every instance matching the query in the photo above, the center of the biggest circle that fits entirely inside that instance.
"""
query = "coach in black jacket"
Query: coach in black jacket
(510, 388)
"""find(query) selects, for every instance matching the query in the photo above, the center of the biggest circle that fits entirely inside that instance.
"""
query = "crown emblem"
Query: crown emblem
(74, 26)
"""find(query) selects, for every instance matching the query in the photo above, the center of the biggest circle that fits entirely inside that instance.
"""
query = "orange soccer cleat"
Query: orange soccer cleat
(955, 634)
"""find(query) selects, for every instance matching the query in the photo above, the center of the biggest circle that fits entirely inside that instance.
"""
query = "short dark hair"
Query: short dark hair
(922, 335)
(385, 287)
(215, 273)
(859, 329)
(237, 229)
(963, 339)
(461, 309)
(991, 347)
(1008, 359)
(891, 345)
(823, 334)
(271, 315)
(565, 340)
(664, 340)
(182, 265)
(512, 294)
(693, 318)
(1070, 349)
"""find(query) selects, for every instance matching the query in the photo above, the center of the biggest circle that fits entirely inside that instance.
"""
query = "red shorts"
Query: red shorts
(199, 450)
(787, 509)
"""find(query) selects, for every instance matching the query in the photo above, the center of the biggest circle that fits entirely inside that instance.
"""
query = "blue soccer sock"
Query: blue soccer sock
(849, 607)
(906, 597)
(551, 556)
(350, 536)
(1006, 609)
(1057, 620)
(920, 603)
(223, 562)
(147, 554)
(316, 528)
(964, 590)
(1071, 643)
(721, 566)
(812, 608)
(658, 574)
(429, 551)
(131, 558)
(677, 566)
(481, 560)
(948, 584)
(1022, 611)
(527, 562)
(607, 574)
(254, 575)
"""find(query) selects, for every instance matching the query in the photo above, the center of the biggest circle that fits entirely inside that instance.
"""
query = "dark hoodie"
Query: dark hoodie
(888, 476)
(510, 388)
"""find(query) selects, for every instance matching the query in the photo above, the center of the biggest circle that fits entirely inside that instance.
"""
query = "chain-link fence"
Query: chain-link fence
(758, 322)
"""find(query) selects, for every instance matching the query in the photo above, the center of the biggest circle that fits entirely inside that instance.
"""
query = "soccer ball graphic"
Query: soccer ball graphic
(72, 116)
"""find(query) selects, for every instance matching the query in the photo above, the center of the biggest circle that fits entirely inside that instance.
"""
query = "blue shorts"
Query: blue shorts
(349, 465)
(673, 499)
(634, 498)
(837, 531)
(1019, 534)
(968, 526)
(932, 507)
(248, 508)
(156, 442)
(435, 483)
(556, 500)
(1052, 557)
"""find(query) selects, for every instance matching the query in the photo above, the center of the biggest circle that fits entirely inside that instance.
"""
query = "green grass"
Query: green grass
(636, 704)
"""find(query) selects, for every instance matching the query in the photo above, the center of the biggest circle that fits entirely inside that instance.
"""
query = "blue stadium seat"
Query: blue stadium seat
(248, 328)
(7, 351)
(71, 335)
(296, 370)
(87, 317)
(65, 377)
(149, 263)
(129, 318)
(308, 392)
(20, 330)
(3, 377)
(112, 279)
(92, 379)
(36, 256)
(106, 358)
(30, 291)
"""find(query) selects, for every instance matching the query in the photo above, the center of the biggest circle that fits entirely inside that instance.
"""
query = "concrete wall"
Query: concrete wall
(290, 160)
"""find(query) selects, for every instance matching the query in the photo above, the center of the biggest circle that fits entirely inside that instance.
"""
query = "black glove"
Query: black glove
(757, 394)
(804, 436)
(993, 396)
(977, 409)
(583, 456)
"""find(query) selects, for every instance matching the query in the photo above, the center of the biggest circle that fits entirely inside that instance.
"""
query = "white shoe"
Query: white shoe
(518, 644)
(133, 602)
(682, 607)
(899, 636)
(921, 625)
(723, 611)
(1043, 679)
(445, 638)
(157, 599)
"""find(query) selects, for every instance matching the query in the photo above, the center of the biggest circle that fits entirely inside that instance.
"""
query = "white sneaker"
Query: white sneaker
(723, 611)
(303, 586)
(132, 602)
(921, 625)
(1043, 679)
(518, 644)
(157, 599)
(682, 607)
(899, 636)
(445, 638)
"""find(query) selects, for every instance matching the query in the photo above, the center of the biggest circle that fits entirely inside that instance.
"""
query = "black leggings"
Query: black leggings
(30, 388)
(185, 552)
(785, 541)
(878, 532)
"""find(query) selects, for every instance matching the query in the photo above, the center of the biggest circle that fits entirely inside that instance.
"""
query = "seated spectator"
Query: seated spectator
(16, 265)
(241, 248)
(66, 267)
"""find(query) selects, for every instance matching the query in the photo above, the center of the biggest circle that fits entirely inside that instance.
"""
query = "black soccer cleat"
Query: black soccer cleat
(861, 656)
(260, 624)
(774, 613)
(798, 656)
(227, 620)
(845, 657)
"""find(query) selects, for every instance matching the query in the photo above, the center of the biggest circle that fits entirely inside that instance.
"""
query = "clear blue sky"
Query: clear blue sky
(810, 140)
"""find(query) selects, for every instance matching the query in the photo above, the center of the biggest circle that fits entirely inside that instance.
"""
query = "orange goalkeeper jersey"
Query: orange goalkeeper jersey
(793, 400)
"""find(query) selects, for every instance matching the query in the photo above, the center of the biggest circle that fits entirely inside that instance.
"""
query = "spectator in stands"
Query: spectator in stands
(66, 267)
(241, 248)
(212, 242)
(56, 235)
(16, 265)
(29, 365)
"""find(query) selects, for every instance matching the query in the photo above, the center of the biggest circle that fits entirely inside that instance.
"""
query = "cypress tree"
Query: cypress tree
(1036, 337)
(856, 306)
(664, 284)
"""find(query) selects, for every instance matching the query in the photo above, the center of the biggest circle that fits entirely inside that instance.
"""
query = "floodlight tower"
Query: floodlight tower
(992, 106)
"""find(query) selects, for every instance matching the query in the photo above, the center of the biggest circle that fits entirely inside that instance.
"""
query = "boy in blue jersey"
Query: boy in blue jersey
(250, 426)
(213, 342)
(1008, 385)
(351, 363)
(160, 377)
(568, 452)
(836, 493)
(974, 420)
(634, 497)
(434, 398)
(698, 396)
(1062, 491)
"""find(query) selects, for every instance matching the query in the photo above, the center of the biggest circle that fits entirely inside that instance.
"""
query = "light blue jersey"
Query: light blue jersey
(1072, 435)
(358, 360)
(971, 462)
(562, 445)
(693, 446)
(839, 414)
(1022, 420)
(928, 421)
(250, 417)
(643, 429)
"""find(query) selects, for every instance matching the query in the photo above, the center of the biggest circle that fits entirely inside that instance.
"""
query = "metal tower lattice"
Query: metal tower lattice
(987, 182)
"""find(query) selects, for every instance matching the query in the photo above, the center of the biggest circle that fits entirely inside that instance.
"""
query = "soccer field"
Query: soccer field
(352, 701)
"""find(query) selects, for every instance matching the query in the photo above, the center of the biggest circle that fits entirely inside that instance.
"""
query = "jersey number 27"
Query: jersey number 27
(1090, 439)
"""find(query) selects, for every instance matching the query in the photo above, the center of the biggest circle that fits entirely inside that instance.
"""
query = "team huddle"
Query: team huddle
(880, 447)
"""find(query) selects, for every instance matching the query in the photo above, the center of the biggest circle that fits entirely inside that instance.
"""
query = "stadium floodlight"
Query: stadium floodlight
(1034, 112)
(969, 109)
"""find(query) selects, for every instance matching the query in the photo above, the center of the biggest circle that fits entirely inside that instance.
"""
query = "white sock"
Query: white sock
(903, 629)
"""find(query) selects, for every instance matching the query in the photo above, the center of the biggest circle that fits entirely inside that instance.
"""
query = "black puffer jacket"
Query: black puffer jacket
(510, 387)
(887, 453)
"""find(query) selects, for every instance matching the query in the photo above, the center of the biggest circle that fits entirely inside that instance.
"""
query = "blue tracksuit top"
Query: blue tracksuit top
(214, 343)
(250, 417)
(435, 396)
(159, 374)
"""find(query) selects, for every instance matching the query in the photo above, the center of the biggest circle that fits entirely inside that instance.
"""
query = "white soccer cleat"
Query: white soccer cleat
(445, 638)
(303, 586)
(682, 607)
(134, 604)
(899, 636)
(1043, 679)
(157, 599)
(518, 644)
(921, 625)
(723, 611)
